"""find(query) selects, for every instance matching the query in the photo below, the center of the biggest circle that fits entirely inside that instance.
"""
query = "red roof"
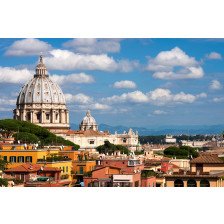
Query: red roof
(207, 158)
(31, 167)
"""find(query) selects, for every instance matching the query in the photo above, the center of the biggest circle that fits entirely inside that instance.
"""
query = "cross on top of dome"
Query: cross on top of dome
(41, 69)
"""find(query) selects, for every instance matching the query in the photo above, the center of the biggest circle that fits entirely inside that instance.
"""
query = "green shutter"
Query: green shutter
(5, 158)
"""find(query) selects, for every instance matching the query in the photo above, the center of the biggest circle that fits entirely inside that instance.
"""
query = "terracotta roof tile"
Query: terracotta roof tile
(207, 158)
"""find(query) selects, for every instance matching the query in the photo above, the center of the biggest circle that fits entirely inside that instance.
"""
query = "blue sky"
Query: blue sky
(131, 82)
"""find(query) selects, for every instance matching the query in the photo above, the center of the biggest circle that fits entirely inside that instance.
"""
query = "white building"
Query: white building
(170, 139)
(88, 136)
(42, 102)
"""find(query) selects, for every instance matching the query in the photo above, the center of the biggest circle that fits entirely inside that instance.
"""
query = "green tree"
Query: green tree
(43, 135)
(110, 148)
(4, 182)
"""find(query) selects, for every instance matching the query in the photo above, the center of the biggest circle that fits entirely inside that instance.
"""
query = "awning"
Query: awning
(42, 178)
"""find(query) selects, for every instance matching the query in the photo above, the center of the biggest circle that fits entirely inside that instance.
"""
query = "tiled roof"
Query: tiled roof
(207, 158)
(31, 167)
(25, 168)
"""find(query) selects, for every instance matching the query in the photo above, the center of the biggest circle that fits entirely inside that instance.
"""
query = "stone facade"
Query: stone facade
(88, 137)
(42, 102)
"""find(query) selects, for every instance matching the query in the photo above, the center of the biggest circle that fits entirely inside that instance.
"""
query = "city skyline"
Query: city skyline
(132, 82)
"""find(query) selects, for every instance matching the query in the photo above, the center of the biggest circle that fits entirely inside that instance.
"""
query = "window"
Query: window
(5, 158)
(90, 168)
(12, 159)
(66, 169)
(81, 170)
(47, 116)
(63, 169)
(149, 184)
(136, 183)
(22, 177)
(153, 184)
(91, 142)
(124, 140)
(29, 159)
(56, 116)
(20, 159)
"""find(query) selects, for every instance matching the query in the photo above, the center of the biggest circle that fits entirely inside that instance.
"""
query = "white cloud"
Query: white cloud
(95, 106)
(72, 78)
(165, 62)
(134, 97)
(94, 45)
(188, 73)
(158, 112)
(78, 98)
(214, 56)
(28, 47)
(157, 97)
(7, 101)
(12, 75)
(67, 60)
(126, 65)
(162, 97)
(125, 84)
(215, 85)
(5, 109)
(218, 99)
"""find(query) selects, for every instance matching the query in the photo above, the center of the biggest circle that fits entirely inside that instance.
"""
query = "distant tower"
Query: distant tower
(42, 102)
(88, 122)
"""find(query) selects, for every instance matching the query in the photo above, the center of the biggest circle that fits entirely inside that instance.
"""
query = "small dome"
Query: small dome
(41, 89)
(88, 119)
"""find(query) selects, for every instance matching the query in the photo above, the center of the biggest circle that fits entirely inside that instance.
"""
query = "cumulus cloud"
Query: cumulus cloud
(188, 73)
(67, 60)
(72, 78)
(125, 84)
(78, 98)
(134, 97)
(158, 112)
(28, 47)
(161, 97)
(12, 75)
(94, 45)
(215, 85)
(214, 56)
(164, 63)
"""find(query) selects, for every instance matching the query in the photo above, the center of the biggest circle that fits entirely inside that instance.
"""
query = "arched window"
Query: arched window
(178, 183)
(204, 183)
(191, 183)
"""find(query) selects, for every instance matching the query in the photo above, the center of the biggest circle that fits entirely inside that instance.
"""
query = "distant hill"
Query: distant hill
(163, 130)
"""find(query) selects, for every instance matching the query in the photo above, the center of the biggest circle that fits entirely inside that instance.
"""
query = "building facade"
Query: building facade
(42, 102)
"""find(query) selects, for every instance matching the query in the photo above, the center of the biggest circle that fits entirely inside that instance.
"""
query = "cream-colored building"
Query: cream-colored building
(42, 102)
(88, 137)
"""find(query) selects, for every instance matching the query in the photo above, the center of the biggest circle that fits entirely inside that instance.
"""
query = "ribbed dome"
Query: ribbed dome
(88, 119)
(41, 89)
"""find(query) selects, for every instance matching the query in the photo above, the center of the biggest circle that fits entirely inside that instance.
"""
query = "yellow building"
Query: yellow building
(65, 166)
(81, 168)
(19, 154)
